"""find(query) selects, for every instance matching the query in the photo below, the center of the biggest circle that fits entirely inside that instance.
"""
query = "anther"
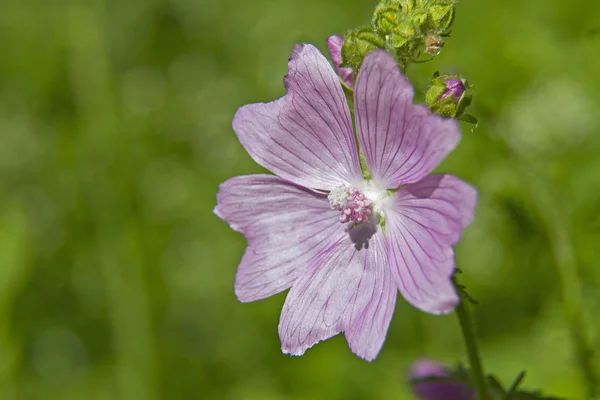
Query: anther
(352, 204)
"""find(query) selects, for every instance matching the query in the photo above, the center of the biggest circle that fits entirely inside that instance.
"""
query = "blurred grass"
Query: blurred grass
(116, 280)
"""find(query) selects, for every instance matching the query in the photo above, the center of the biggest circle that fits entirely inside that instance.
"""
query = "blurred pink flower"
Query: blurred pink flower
(344, 276)
(334, 44)
(440, 390)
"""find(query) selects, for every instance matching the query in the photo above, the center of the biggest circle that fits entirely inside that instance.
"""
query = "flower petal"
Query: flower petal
(334, 45)
(402, 142)
(338, 293)
(285, 225)
(368, 330)
(423, 221)
(305, 136)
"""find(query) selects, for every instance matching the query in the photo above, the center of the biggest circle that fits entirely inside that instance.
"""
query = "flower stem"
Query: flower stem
(466, 325)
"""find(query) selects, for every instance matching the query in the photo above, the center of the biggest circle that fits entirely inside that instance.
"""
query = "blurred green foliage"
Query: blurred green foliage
(116, 280)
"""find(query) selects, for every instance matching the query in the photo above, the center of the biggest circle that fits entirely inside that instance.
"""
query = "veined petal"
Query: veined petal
(286, 225)
(341, 291)
(305, 136)
(402, 142)
(368, 330)
(422, 223)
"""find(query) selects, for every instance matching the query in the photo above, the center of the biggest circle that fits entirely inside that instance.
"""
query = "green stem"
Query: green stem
(350, 98)
(467, 327)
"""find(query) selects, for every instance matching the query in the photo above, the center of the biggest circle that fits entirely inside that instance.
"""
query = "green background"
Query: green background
(116, 280)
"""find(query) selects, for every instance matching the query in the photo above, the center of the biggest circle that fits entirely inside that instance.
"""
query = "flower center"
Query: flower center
(353, 205)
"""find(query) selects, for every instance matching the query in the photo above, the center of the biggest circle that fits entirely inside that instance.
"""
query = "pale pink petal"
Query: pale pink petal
(423, 221)
(286, 225)
(305, 136)
(368, 330)
(401, 142)
(334, 45)
(340, 292)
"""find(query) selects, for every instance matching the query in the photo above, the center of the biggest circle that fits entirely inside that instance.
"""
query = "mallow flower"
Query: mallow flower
(343, 244)
(437, 390)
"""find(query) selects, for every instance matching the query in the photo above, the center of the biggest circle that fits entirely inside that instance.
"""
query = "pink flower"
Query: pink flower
(345, 245)
(437, 390)
(334, 45)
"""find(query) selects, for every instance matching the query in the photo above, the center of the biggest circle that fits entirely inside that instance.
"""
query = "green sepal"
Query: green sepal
(385, 20)
(405, 6)
(437, 86)
(446, 107)
(419, 18)
(442, 14)
(468, 118)
(496, 390)
(402, 40)
(514, 386)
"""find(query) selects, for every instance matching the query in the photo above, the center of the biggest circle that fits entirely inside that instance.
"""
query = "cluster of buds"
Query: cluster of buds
(405, 28)
(449, 96)
(411, 25)
(357, 44)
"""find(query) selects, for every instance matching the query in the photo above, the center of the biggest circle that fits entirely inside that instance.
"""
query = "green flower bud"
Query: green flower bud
(404, 42)
(406, 29)
(449, 96)
(406, 25)
(420, 18)
(389, 13)
(385, 20)
(404, 5)
(357, 44)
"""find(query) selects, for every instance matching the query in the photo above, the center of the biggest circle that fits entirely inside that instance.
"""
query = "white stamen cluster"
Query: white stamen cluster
(352, 204)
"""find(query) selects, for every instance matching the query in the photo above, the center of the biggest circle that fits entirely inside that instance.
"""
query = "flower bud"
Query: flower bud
(357, 44)
(442, 389)
(385, 20)
(449, 96)
(406, 25)
(334, 44)
(402, 40)
(454, 87)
